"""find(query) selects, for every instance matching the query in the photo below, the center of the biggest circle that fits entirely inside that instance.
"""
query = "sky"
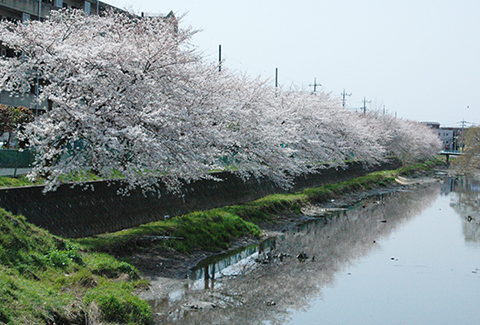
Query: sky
(417, 59)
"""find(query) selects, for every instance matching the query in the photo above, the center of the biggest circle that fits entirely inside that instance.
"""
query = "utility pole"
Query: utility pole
(220, 58)
(315, 85)
(343, 97)
(464, 124)
(365, 101)
(276, 82)
(276, 78)
(37, 79)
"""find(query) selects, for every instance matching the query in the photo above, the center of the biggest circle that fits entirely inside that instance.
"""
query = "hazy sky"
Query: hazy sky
(421, 59)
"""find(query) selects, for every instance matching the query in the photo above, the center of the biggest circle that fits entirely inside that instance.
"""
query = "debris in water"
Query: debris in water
(302, 256)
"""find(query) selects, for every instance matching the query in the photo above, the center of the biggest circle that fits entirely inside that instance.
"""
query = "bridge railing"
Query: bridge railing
(451, 152)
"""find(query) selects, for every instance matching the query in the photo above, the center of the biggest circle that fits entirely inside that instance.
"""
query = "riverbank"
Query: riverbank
(168, 249)
(47, 279)
(163, 283)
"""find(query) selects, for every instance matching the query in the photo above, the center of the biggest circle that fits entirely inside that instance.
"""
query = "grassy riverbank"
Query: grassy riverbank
(46, 279)
(49, 280)
(216, 229)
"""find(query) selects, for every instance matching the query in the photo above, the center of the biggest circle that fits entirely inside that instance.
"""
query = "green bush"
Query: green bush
(63, 258)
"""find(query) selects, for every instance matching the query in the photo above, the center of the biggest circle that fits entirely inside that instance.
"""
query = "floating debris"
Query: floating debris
(302, 256)
(313, 211)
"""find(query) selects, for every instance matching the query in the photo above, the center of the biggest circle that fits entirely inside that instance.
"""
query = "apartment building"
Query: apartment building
(21, 10)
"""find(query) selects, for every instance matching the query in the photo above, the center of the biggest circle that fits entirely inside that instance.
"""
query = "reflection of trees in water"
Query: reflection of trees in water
(465, 201)
(270, 292)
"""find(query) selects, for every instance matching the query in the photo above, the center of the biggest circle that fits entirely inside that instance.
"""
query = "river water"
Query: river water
(408, 257)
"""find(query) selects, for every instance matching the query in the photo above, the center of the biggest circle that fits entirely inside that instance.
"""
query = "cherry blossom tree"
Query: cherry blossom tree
(406, 140)
(131, 98)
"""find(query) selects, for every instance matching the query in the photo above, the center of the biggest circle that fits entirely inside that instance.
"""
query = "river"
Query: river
(407, 257)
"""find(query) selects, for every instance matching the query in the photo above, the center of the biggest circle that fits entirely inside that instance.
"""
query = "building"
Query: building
(21, 10)
(452, 138)
(432, 125)
(447, 138)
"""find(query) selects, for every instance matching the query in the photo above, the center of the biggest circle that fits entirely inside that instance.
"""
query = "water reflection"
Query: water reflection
(465, 201)
(233, 263)
(271, 291)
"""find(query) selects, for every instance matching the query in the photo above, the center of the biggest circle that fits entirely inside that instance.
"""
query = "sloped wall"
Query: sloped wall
(78, 212)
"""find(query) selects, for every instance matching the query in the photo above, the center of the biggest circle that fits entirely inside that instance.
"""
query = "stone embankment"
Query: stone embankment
(97, 208)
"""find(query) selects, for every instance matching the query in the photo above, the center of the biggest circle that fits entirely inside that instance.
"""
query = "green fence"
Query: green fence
(10, 158)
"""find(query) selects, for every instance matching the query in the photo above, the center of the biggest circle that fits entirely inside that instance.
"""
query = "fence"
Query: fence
(79, 212)
(14, 162)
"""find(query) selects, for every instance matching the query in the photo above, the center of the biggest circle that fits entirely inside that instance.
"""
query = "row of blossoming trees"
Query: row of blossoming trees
(132, 97)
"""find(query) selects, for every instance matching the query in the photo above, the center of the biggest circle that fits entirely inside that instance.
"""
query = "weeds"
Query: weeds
(45, 279)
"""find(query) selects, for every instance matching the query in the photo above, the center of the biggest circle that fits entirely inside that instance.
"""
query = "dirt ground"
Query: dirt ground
(167, 270)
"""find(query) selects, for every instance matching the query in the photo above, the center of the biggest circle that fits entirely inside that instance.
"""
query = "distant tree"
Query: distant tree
(469, 162)
(13, 119)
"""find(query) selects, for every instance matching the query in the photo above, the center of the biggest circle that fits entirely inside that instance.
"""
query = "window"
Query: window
(59, 3)
(88, 8)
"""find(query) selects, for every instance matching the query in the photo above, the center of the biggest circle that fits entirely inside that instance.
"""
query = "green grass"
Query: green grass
(45, 279)
(426, 166)
(118, 304)
(16, 182)
(216, 229)
(212, 230)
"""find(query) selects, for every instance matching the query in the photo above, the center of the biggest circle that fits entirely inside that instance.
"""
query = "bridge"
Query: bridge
(449, 153)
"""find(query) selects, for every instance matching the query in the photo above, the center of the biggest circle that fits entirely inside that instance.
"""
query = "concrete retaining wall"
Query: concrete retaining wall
(76, 212)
